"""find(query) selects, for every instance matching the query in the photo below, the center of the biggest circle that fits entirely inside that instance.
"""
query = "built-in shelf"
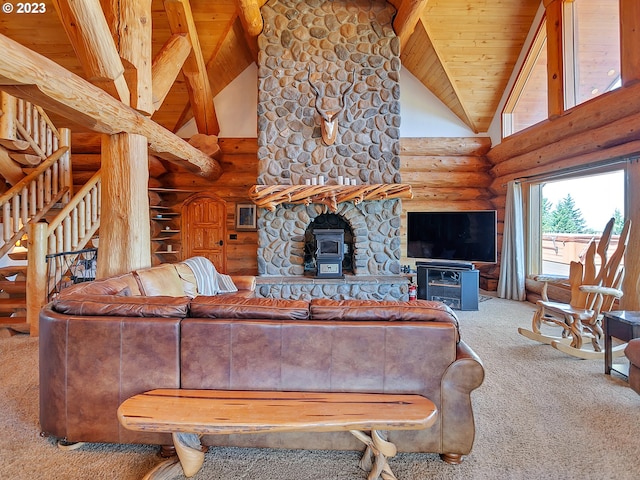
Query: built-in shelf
(270, 196)
(165, 221)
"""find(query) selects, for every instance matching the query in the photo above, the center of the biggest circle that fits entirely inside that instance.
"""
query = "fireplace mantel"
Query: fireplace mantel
(270, 196)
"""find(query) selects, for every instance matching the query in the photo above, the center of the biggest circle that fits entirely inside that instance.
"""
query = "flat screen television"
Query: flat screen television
(468, 236)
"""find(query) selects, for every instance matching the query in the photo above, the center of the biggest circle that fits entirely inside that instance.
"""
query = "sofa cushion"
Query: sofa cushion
(162, 280)
(189, 283)
(120, 306)
(416, 310)
(233, 306)
(119, 285)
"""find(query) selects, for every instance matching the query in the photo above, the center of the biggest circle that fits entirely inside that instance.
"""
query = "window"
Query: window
(569, 212)
(527, 104)
(592, 49)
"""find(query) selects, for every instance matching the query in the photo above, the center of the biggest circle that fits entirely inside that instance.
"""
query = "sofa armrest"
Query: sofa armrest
(244, 282)
(465, 374)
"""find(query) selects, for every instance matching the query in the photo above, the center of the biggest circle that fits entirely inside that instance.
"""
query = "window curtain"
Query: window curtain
(512, 267)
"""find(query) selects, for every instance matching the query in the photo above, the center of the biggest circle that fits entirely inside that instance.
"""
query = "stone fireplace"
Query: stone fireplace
(329, 61)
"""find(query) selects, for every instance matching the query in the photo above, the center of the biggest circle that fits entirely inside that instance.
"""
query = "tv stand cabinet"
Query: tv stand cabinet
(454, 284)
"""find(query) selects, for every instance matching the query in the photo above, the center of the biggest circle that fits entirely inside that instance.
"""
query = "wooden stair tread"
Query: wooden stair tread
(17, 255)
(13, 286)
(10, 304)
(13, 270)
(17, 324)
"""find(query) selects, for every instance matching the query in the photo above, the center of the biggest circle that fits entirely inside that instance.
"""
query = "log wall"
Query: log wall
(240, 169)
(596, 133)
(444, 173)
(449, 174)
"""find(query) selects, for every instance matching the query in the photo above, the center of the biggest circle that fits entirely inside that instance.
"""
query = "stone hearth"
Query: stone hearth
(378, 287)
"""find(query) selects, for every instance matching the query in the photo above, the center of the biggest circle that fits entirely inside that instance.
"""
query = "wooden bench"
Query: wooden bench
(188, 414)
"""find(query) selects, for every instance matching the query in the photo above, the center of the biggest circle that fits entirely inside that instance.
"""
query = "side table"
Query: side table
(623, 325)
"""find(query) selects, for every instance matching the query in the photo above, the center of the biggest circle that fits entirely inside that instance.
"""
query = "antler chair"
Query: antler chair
(594, 290)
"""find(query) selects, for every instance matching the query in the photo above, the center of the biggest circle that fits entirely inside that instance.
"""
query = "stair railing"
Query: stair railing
(30, 130)
(69, 231)
(32, 197)
(78, 221)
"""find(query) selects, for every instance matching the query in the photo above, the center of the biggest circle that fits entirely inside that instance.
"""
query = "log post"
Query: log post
(555, 64)
(134, 33)
(631, 284)
(124, 221)
(9, 106)
(65, 164)
(630, 41)
(36, 274)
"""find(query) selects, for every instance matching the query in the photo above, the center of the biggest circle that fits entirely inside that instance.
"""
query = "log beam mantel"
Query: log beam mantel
(270, 196)
(26, 74)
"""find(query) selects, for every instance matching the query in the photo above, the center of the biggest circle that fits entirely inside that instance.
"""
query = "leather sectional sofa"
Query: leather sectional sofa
(104, 341)
(632, 351)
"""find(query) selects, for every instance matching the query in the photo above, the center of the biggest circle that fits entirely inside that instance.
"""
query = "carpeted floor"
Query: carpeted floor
(539, 415)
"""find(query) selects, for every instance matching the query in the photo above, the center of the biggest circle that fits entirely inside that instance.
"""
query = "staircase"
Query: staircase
(13, 302)
(29, 142)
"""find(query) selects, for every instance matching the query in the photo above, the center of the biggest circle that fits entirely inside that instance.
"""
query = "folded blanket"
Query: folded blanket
(208, 279)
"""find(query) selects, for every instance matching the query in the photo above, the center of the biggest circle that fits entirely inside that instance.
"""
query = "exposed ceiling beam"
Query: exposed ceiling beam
(88, 31)
(229, 58)
(194, 69)
(167, 65)
(27, 74)
(134, 45)
(250, 16)
(409, 12)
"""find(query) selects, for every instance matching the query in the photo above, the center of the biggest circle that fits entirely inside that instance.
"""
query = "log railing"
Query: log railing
(32, 141)
(71, 230)
(27, 131)
(78, 221)
(32, 197)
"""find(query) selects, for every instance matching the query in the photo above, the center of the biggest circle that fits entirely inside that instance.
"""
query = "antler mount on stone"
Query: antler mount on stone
(329, 108)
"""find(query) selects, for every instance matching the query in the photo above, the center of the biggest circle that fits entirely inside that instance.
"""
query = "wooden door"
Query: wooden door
(204, 229)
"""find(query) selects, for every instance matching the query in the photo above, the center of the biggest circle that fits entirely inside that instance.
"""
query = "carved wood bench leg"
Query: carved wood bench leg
(189, 452)
(166, 470)
(374, 459)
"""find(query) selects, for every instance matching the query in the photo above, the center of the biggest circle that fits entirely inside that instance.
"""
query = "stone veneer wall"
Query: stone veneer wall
(335, 43)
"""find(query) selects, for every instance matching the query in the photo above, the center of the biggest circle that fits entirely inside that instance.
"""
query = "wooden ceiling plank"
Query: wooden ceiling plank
(455, 103)
(167, 65)
(29, 75)
(194, 69)
(135, 45)
(227, 60)
(407, 18)
(88, 31)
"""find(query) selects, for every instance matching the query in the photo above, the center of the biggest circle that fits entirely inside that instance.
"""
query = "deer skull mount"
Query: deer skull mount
(328, 110)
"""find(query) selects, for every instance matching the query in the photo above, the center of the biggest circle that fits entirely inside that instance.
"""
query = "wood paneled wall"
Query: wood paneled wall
(449, 174)
(240, 169)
